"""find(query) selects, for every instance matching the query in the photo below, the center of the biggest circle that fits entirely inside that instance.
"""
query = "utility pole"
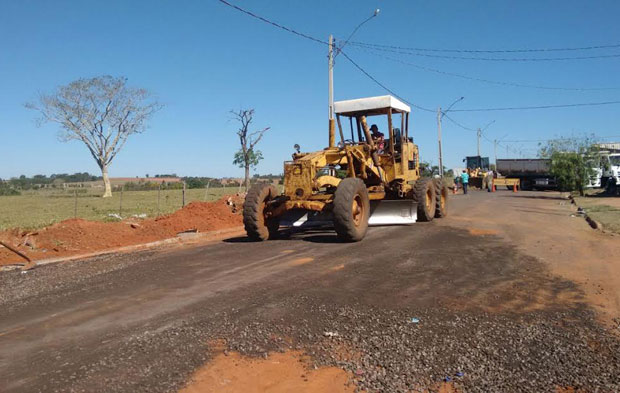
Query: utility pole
(439, 141)
(495, 151)
(479, 133)
(330, 66)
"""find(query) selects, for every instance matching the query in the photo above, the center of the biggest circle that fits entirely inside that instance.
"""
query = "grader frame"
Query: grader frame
(353, 184)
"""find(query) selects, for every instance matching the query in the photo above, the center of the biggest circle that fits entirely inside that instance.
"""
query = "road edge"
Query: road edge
(178, 240)
(592, 222)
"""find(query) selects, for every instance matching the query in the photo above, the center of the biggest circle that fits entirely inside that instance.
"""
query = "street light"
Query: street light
(374, 14)
(440, 115)
(330, 65)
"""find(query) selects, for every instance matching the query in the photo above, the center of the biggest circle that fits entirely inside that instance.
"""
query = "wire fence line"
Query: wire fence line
(38, 208)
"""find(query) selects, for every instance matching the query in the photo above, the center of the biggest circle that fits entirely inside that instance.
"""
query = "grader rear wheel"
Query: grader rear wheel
(257, 226)
(441, 199)
(351, 210)
(424, 195)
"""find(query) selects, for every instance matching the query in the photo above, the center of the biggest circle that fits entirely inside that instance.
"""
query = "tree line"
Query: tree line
(14, 185)
(24, 182)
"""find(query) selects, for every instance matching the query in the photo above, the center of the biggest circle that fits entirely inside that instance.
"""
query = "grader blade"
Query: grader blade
(399, 212)
(305, 219)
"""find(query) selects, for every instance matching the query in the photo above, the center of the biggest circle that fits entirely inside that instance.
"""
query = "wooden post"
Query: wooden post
(120, 205)
(183, 194)
(330, 68)
(158, 199)
(207, 190)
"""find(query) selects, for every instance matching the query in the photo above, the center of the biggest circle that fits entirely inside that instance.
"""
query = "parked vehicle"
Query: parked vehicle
(533, 173)
(610, 166)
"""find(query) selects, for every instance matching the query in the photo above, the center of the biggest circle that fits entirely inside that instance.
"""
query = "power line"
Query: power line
(382, 85)
(553, 139)
(537, 107)
(292, 31)
(322, 42)
(253, 15)
(458, 124)
(491, 51)
(486, 80)
(504, 59)
(481, 133)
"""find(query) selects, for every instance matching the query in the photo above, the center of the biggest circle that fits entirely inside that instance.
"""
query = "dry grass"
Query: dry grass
(35, 209)
(604, 209)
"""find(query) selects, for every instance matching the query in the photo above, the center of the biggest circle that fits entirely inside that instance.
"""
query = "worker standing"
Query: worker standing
(464, 181)
(489, 180)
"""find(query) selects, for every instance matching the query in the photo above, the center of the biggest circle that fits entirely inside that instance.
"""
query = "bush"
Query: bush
(570, 171)
(570, 159)
(6, 190)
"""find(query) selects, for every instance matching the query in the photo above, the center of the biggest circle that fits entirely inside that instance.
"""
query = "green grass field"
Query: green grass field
(605, 210)
(35, 209)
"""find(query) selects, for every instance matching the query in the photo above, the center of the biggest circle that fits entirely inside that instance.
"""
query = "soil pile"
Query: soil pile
(76, 236)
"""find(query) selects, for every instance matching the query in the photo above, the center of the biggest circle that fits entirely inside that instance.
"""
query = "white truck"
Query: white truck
(610, 165)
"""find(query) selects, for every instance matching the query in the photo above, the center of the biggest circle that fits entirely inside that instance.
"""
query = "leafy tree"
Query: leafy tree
(101, 112)
(248, 156)
(570, 161)
(570, 171)
(429, 170)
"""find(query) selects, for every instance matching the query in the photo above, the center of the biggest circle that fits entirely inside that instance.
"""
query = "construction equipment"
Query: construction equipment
(364, 180)
(509, 182)
(477, 168)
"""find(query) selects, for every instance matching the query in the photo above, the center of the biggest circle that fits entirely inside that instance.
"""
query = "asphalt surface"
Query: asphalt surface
(142, 322)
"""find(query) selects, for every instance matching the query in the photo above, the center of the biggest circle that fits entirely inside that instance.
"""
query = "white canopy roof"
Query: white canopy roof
(371, 104)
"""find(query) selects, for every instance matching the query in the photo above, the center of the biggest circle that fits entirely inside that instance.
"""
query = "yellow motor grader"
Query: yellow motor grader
(367, 179)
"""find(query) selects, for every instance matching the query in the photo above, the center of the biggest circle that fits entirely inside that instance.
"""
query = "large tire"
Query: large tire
(351, 210)
(441, 199)
(424, 196)
(256, 225)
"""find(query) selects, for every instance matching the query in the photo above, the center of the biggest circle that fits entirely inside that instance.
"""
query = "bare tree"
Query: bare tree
(247, 156)
(100, 112)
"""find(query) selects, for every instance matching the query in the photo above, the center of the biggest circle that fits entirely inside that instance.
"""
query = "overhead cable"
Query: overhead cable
(384, 86)
(519, 108)
(429, 69)
(253, 15)
(418, 52)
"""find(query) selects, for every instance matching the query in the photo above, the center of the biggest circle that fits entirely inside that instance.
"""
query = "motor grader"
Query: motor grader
(361, 181)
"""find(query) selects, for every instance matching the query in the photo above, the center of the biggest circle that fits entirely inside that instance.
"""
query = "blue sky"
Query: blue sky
(203, 59)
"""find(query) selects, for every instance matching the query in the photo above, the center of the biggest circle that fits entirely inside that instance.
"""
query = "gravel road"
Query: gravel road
(403, 310)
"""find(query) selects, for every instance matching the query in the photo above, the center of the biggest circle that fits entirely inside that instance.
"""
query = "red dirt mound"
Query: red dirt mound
(76, 236)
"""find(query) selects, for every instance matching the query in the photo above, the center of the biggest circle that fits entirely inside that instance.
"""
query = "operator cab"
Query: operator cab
(397, 114)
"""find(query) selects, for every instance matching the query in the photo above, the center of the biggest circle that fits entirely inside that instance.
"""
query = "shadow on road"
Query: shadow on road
(239, 239)
(545, 197)
(307, 235)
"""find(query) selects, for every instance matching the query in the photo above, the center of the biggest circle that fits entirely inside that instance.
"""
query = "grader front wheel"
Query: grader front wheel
(424, 195)
(351, 210)
(257, 226)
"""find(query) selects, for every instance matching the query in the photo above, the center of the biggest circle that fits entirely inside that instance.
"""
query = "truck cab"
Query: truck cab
(610, 164)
